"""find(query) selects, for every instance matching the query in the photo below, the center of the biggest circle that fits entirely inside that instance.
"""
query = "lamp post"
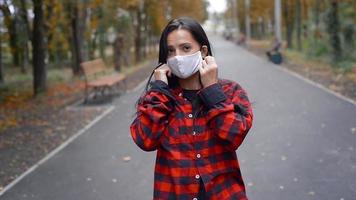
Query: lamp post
(235, 19)
(248, 21)
(278, 21)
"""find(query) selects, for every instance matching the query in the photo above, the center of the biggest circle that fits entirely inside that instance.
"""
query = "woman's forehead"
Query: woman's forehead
(180, 36)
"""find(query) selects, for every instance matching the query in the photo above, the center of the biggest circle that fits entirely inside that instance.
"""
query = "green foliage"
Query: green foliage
(316, 48)
(76, 31)
(345, 65)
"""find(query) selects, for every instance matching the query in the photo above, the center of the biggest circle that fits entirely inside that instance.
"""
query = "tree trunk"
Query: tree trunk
(138, 45)
(39, 67)
(93, 44)
(1, 66)
(77, 53)
(10, 22)
(102, 43)
(118, 47)
(50, 35)
(27, 37)
(102, 35)
(289, 20)
(334, 30)
(299, 23)
(317, 14)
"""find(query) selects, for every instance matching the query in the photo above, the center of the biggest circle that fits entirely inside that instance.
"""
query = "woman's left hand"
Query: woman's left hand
(209, 71)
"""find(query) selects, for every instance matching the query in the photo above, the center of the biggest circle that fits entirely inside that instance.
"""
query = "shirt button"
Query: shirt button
(180, 94)
(190, 115)
(194, 133)
(197, 176)
(195, 199)
(198, 155)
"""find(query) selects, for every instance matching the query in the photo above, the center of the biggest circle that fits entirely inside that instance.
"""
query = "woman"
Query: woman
(194, 120)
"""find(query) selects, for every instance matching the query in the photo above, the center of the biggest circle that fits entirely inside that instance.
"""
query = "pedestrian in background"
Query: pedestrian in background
(195, 120)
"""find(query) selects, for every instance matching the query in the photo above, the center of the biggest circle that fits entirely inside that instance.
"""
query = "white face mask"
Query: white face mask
(185, 66)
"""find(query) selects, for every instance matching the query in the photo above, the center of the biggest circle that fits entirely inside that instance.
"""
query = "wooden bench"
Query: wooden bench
(97, 79)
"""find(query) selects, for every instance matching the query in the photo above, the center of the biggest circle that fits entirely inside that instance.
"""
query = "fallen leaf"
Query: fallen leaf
(283, 158)
(126, 158)
(353, 130)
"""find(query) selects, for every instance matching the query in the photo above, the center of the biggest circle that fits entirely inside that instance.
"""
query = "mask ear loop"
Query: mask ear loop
(149, 79)
(203, 58)
(148, 83)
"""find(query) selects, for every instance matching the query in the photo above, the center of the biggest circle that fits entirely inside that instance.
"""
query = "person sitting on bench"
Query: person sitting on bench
(273, 53)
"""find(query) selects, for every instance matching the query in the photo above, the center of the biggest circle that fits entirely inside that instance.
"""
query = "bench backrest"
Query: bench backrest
(93, 67)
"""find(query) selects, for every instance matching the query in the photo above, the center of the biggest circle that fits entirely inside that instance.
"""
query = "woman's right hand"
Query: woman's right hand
(162, 72)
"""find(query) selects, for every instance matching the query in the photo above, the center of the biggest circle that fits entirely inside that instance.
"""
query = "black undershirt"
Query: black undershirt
(191, 95)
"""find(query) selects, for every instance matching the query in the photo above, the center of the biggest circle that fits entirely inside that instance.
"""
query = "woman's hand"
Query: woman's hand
(162, 72)
(209, 71)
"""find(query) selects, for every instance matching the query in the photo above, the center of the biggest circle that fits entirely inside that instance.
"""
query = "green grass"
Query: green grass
(15, 81)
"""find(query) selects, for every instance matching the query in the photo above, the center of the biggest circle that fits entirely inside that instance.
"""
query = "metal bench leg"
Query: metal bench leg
(86, 95)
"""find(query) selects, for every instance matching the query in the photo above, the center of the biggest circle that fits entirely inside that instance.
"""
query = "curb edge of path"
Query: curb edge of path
(135, 89)
(311, 82)
(56, 150)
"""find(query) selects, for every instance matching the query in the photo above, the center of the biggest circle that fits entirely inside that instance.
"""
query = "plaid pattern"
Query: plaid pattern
(193, 147)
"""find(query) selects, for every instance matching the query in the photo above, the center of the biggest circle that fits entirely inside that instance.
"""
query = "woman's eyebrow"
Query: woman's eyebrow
(180, 45)
(186, 43)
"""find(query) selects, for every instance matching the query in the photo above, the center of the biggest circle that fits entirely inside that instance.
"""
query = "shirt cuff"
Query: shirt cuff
(158, 84)
(212, 95)
(162, 87)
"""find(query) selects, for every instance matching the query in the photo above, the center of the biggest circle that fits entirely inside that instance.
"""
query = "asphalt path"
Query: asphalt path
(302, 144)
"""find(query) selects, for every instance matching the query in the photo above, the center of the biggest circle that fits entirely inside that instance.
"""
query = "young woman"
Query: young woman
(193, 119)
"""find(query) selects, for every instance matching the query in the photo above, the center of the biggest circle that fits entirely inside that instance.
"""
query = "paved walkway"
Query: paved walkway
(302, 145)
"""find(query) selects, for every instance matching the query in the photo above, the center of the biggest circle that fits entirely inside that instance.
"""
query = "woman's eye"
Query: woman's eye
(186, 48)
(170, 51)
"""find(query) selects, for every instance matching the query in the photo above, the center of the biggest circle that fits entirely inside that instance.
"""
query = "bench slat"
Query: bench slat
(106, 80)
(93, 67)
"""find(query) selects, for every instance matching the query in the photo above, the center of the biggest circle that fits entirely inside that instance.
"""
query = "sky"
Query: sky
(217, 5)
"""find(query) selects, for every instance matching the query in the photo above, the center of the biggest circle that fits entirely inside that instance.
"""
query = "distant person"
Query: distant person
(273, 53)
(195, 120)
(242, 40)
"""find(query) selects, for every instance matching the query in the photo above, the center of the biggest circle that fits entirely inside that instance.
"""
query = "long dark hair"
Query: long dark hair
(185, 23)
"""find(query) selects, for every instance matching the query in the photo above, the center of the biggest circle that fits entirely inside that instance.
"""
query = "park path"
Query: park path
(302, 144)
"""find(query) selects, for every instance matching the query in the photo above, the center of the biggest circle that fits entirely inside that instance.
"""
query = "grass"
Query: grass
(306, 58)
(17, 82)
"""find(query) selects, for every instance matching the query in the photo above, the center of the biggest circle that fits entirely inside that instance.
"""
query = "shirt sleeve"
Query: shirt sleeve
(230, 119)
(152, 114)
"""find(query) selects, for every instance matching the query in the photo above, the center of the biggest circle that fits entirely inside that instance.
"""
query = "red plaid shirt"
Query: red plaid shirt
(194, 146)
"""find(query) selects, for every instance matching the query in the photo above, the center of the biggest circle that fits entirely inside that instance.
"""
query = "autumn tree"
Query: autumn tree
(77, 16)
(288, 13)
(333, 25)
(191, 8)
(39, 67)
(25, 35)
(11, 24)
(57, 32)
(1, 66)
